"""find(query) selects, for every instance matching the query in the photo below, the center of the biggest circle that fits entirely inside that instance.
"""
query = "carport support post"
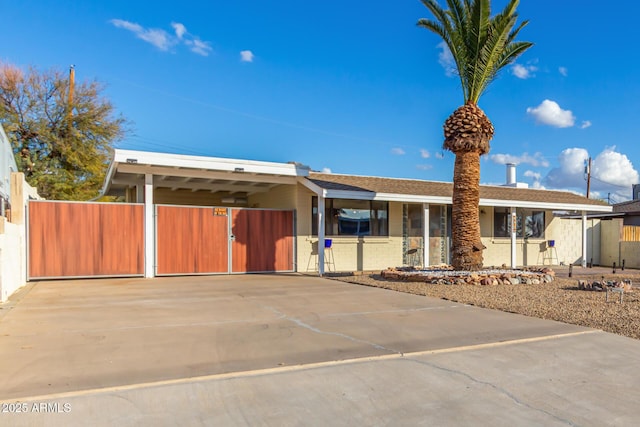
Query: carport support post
(149, 227)
(584, 239)
(321, 213)
(425, 237)
(514, 231)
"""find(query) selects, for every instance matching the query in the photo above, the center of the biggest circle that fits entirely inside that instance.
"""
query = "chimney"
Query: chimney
(636, 191)
(511, 174)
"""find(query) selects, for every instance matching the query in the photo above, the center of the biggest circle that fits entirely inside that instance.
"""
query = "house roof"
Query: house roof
(632, 206)
(392, 189)
(196, 173)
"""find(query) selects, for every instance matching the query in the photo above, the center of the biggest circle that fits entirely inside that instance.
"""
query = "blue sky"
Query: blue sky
(349, 86)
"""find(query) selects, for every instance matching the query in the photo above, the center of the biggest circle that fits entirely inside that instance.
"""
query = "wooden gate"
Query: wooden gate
(191, 240)
(79, 239)
(262, 240)
(209, 240)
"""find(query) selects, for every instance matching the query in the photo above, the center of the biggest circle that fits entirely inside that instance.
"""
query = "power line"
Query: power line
(608, 183)
(258, 117)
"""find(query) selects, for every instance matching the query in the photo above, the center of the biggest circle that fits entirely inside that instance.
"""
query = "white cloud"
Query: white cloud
(440, 155)
(424, 154)
(523, 71)
(550, 113)
(585, 124)
(611, 172)
(614, 168)
(424, 167)
(157, 37)
(570, 172)
(131, 26)
(326, 170)
(563, 71)
(180, 29)
(164, 40)
(537, 160)
(536, 176)
(398, 151)
(198, 46)
(246, 56)
(445, 58)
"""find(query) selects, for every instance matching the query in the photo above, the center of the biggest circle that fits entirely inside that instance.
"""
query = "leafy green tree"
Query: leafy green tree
(62, 143)
(481, 45)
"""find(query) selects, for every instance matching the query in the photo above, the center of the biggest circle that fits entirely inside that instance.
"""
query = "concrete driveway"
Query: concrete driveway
(298, 350)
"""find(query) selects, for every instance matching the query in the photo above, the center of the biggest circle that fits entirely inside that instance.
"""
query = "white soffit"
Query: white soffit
(144, 158)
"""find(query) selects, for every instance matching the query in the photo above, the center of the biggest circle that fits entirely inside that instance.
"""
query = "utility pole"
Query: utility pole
(72, 84)
(587, 170)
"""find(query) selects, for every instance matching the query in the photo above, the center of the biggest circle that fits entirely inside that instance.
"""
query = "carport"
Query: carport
(184, 215)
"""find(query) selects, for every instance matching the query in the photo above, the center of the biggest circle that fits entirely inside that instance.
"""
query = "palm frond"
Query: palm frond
(481, 45)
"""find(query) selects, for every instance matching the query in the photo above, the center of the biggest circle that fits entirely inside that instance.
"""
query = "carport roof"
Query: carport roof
(407, 190)
(182, 172)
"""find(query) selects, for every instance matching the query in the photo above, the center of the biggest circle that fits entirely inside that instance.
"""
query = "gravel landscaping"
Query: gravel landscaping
(559, 300)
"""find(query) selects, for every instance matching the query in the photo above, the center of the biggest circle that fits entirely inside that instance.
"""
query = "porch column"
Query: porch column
(425, 236)
(149, 227)
(514, 231)
(321, 213)
(584, 239)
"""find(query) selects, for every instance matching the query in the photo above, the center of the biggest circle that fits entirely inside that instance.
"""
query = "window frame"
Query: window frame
(377, 224)
(526, 219)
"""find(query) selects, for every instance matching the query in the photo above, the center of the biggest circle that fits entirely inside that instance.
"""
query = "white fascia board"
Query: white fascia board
(413, 198)
(386, 197)
(109, 177)
(442, 200)
(208, 163)
(544, 205)
(312, 186)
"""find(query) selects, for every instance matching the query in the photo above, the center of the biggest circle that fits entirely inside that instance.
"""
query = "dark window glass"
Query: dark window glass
(529, 224)
(345, 217)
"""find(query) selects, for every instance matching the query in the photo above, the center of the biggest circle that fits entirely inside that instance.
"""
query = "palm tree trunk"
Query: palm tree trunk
(465, 218)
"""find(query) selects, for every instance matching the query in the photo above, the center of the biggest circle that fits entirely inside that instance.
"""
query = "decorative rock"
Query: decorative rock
(514, 280)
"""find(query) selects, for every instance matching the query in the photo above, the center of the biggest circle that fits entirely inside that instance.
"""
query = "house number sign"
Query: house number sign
(219, 211)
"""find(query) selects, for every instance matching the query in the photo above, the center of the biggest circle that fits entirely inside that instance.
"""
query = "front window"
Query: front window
(529, 224)
(345, 217)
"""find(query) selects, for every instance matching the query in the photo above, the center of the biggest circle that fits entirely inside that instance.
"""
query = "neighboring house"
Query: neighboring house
(620, 233)
(372, 222)
(614, 237)
(630, 211)
(7, 165)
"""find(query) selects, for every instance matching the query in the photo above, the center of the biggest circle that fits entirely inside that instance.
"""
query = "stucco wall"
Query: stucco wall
(350, 253)
(279, 197)
(13, 242)
(611, 232)
(630, 253)
(165, 196)
(567, 234)
(615, 250)
(12, 258)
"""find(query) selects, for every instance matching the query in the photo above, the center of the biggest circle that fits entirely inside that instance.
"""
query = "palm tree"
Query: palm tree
(481, 46)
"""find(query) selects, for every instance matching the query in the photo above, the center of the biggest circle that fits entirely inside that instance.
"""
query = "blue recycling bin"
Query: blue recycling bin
(551, 243)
